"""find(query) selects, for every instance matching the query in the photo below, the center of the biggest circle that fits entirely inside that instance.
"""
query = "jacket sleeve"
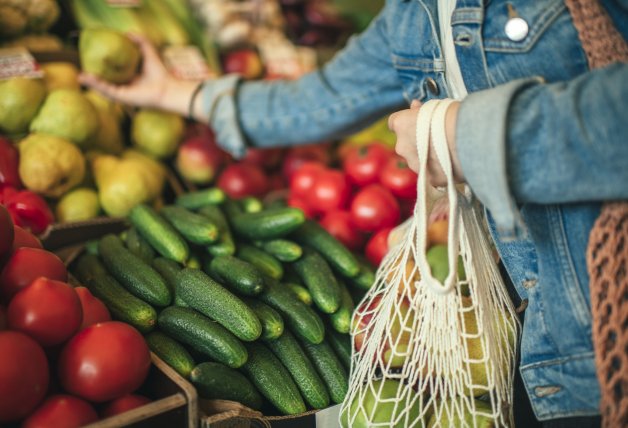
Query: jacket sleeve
(358, 86)
(531, 142)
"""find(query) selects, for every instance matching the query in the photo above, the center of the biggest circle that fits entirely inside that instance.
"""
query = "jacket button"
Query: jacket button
(432, 86)
(516, 29)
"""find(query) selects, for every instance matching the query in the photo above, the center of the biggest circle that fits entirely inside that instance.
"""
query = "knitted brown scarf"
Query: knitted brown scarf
(607, 252)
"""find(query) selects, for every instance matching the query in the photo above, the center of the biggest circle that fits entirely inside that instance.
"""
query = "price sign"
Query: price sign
(18, 62)
(186, 62)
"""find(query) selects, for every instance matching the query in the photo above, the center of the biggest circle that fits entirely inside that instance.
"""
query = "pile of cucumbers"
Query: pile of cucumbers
(251, 303)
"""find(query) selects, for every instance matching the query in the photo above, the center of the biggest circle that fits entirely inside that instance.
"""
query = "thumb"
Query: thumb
(415, 104)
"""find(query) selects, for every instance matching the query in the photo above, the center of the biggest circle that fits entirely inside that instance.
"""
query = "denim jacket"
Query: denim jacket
(541, 180)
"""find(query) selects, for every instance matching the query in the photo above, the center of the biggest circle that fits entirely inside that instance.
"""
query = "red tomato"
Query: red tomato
(374, 208)
(61, 411)
(48, 311)
(23, 375)
(239, 180)
(6, 231)
(23, 238)
(331, 191)
(298, 155)
(104, 362)
(363, 163)
(124, 404)
(268, 159)
(397, 177)
(94, 310)
(25, 266)
(303, 179)
(377, 246)
(296, 202)
(339, 224)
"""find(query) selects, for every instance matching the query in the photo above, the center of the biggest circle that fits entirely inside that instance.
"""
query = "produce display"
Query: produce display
(49, 332)
(210, 281)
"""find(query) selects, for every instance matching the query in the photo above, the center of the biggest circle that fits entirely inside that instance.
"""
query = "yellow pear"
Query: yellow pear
(78, 205)
(60, 75)
(108, 54)
(156, 132)
(455, 417)
(20, 99)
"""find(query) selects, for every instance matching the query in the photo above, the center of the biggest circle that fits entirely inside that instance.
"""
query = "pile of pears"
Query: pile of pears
(85, 153)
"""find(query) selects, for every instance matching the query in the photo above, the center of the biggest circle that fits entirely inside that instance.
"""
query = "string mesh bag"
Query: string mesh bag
(434, 339)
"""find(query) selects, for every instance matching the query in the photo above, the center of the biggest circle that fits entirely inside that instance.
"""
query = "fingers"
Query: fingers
(416, 104)
(107, 89)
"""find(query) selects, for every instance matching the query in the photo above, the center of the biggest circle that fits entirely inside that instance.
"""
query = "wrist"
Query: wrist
(177, 95)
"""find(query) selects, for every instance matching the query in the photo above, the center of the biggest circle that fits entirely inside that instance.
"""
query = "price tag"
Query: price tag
(186, 62)
(123, 3)
(18, 62)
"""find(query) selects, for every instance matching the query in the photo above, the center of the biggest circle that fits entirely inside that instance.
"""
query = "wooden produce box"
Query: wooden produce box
(174, 402)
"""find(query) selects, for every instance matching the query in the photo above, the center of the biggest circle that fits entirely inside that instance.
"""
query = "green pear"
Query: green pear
(456, 419)
(20, 99)
(50, 165)
(68, 114)
(78, 205)
(156, 132)
(108, 54)
(108, 137)
(378, 407)
(438, 259)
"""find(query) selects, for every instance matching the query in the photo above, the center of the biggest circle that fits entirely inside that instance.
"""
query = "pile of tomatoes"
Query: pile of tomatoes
(63, 362)
(360, 201)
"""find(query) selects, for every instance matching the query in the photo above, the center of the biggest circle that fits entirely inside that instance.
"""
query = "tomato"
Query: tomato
(23, 375)
(374, 208)
(363, 163)
(48, 311)
(297, 202)
(239, 180)
(377, 246)
(303, 179)
(331, 191)
(298, 155)
(268, 159)
(339, 224)
(61, 410)
(27, 264)
(124, 404)
(94, 310)
(23, 238)
(6, 231)
(397, 177)
(104, 362)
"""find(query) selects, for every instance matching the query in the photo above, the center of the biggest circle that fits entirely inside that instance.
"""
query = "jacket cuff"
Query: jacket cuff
(219, 106)
(481, 146)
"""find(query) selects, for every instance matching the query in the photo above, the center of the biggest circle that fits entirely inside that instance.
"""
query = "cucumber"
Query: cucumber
(266, 263)
(341, 344)
(219, 382)
(301, 292)
(251, 204)
(138, 245)
(272, 322)
(301, 319)
(200, 198)
(225, 244)
(242, 277)
(168, 270)
(290, 353)
(172, 352)
(365, 278)
(319, 280)
(202, 334)
(329, 368)
(208, 297)
(159, 233)
(267, 224)
(196, 228)
(341, 319)
(231, 208)
(272, 379)
(283, 249)
(123, 305)
(133, 273)
(337, 255)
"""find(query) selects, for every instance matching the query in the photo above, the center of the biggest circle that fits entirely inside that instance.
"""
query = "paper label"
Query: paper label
(18, 62)
(123, 3)
(186, 62)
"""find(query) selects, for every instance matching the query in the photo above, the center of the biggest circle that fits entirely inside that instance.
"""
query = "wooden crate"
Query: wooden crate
(174, 402)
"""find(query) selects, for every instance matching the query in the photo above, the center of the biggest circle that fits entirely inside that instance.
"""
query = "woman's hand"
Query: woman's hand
(154, 87)
(403, 123)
